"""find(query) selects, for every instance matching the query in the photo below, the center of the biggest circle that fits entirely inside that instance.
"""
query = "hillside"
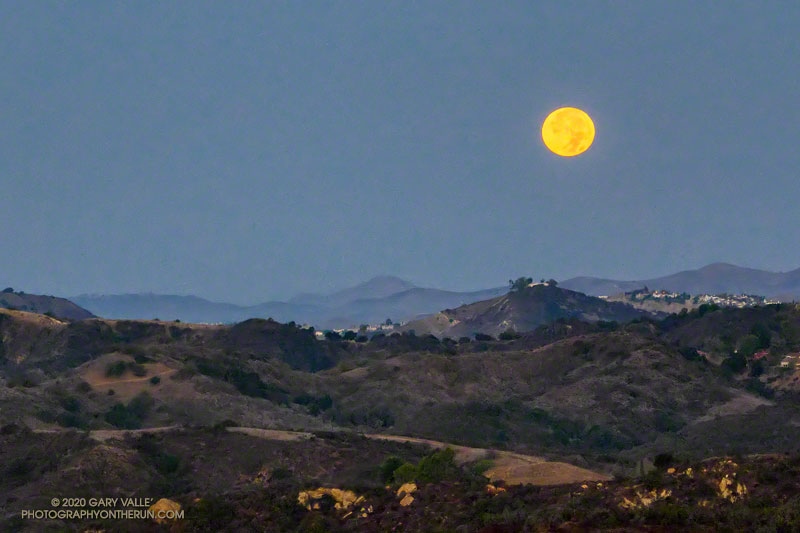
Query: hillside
(562, 410)
(34, 303)
(716, 278)
(570, 400)
(522, 311)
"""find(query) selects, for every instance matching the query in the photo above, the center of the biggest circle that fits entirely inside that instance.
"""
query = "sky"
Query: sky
(248, 151)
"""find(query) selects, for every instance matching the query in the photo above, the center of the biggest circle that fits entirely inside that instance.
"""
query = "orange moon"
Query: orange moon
(568, 131)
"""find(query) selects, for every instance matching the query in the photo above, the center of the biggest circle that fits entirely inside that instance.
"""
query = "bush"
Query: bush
(405, 473)
(756, 368)
(137, 369)
(116, 369)
(735, 363)
(70, 403)
(388, 468)
(166, 463)
(141, 404)
(437, 467)
(479, 467)
(508, 335)
(71, 420)
(332, 336)
(483, 337)
(155, 380)
(663, 460)
(121, 417)
(132, 415)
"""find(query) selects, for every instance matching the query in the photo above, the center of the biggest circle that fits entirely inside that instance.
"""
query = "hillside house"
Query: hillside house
(790, 361)
(761, 354)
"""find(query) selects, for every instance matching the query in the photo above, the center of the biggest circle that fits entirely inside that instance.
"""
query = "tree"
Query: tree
(508, 335)
(552, 282)
(756, 368)
(736, 363)
(748, 345)
(8, 290)
(763, 334)
(388, 467)
(519, 284)
(349, 335)
(388, 322)
(332, 336)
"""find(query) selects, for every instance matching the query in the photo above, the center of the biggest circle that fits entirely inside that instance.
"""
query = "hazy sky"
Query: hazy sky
(245, 151)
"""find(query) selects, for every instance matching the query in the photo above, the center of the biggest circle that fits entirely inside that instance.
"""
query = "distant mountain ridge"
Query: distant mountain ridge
(377, 287)
(370, 302)
(716, 278)
(385, 297)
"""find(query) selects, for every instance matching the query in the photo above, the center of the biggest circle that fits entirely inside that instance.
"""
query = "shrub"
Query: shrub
(479, 467)
(388, 468)
(735, 363)
(137, 369)
(70, 403)
(141, 404)
(280, 473)
(166, 463)
(212, 514)
(71, 420)
(20, 468)
(437, 466)
(116, 368)
(130, 416)
(155, 380)
(483, 337)
(663, 460)
(121, 417)
(405, 473)
(508, 335)
(83, 387)
(332, 336)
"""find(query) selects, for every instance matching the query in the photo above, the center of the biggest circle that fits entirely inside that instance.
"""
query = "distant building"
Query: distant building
(760, 355)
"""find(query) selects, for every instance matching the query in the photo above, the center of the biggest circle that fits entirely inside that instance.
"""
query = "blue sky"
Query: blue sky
(251, 150)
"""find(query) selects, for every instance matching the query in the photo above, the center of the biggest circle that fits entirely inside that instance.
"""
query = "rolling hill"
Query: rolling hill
(522, 311)
(35, 303)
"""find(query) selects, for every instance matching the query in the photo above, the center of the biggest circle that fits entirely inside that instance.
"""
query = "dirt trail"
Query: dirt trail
(105, 434)
(112, 381)
(513, 468)
(271, 434)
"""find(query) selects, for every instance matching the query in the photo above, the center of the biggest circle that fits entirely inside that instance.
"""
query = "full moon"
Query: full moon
(568, 131)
